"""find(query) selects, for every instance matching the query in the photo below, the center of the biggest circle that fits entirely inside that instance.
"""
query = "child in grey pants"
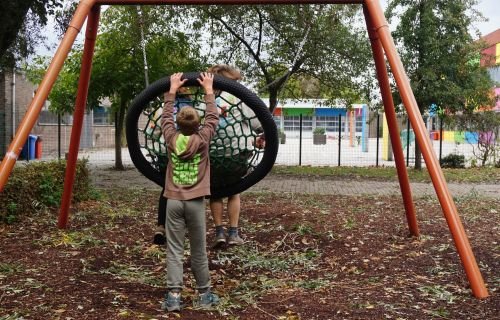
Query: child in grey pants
(187, 183)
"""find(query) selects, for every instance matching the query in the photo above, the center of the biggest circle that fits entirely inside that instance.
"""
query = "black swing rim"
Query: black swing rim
(220, 83)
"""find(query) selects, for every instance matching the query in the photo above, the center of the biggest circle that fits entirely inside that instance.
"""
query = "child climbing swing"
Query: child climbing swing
(187, 182)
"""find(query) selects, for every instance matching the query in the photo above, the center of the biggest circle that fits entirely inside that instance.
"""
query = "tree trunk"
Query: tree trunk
(118, 135)
(418, 156)
(273, 99)
(418, 153)
(422, 51)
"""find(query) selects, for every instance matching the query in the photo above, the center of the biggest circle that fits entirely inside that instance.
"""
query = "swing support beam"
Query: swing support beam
(382, 45)
(390, 113)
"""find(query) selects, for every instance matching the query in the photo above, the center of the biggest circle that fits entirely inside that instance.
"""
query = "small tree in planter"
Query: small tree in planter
(319, 135)
(282, 136)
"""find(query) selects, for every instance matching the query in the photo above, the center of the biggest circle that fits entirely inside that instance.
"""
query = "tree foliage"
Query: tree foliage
(118, 62)
(272, 44)
(21, 22)
(118, 65)
(62, 95)
(438, 53)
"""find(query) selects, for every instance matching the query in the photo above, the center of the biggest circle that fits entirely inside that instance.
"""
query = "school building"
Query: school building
(316, 113)
(490, 58)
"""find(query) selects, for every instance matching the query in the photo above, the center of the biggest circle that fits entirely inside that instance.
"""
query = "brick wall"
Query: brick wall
(23, 96)
(98, 136)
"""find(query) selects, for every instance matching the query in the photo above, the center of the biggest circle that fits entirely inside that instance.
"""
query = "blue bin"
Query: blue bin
(28, 152)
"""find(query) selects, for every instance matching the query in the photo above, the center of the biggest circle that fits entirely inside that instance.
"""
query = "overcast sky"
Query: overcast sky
(489, 8)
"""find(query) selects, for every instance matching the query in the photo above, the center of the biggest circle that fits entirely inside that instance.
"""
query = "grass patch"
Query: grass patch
(9, 268)
(468, 175)
(256, 259)
(437, 292)
(14, 316)
(134, 274)
(303, 229)
(312, 284)
(72, 239)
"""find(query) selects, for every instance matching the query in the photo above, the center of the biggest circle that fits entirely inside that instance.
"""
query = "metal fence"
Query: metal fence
(341, 145)
(342, 148)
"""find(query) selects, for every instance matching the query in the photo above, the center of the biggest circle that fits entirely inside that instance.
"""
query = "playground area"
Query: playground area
(306, 256)
(152, 110)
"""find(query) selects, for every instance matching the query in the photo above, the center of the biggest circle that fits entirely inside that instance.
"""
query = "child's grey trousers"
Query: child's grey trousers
(190, 214)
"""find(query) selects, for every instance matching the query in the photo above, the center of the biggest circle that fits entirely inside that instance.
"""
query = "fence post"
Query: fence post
(378, 138)
(408, 141)
(59, 136)
(340, 136)
(440, 138)
(300, 139)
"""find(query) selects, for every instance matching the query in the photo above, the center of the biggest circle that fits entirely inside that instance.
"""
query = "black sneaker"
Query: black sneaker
(206, 300)
(160, 237)
(220, 240)
(172, 302)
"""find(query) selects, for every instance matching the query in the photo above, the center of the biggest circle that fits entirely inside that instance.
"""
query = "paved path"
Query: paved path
(106, 177)
(368, 187)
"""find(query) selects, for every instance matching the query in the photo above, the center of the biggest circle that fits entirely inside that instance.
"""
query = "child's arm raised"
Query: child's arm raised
(206, 80)
(167, 117)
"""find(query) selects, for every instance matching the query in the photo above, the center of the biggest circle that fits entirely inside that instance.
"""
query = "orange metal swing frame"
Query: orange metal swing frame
(381, 43)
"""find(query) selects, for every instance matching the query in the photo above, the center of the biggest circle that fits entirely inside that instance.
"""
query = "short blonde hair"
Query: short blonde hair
(226, 71)
(188, 120)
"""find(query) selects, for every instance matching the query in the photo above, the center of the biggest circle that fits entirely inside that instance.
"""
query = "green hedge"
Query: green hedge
(38, 185)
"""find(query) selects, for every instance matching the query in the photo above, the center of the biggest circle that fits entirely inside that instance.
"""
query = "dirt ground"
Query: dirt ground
(305, 257)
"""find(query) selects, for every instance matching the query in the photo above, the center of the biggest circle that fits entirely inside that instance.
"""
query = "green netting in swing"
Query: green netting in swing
(232, 147)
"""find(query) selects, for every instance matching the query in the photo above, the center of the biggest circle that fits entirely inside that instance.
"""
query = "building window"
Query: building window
(359, 124)
(292, 123)
(330, 123)
(103, 116)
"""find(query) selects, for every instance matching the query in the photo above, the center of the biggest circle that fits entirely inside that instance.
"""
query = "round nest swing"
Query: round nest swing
(231, 149)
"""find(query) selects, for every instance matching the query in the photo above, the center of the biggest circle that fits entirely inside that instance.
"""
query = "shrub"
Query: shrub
(453, 161)
(319, 130)
(486, 125)
(39, 184)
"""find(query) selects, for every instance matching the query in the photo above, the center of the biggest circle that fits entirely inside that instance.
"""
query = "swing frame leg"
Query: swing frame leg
(443, 193)
(390, 113)
(43, 91)
(80, 103)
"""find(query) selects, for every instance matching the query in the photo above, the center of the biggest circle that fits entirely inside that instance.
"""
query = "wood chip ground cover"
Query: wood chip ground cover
(306, 257)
